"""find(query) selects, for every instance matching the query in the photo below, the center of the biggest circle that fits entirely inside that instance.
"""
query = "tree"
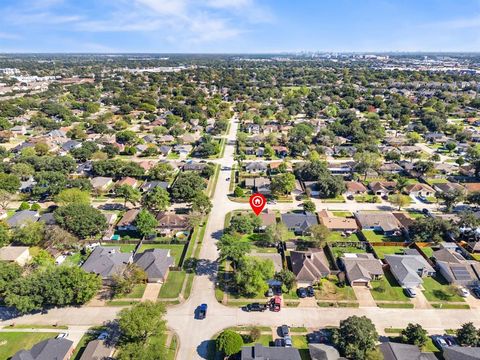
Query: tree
(414, 334)
(355, 337)
(229, 342)
(467, 335)
(430, 229)
(23, 170)
(32, 233)
(129, 194)
(238, 192)
(9, 182)
(450, 198)
(9, 272)
(230, 247)
(52, 286)
(252, 274)
(243, 224)
(283, 184)
(366, 161)
(5, 199)
(162, 171)
(309, 206)
(156, 199)
(400, 200)
(5, 234)
(319, 234)
(141, 321)
(474, 198)
(287, 278)
(201, 203)
(71, 196)
(60, 239)
(81, 220)
(146, 223)
(276, 233)
(187, 186)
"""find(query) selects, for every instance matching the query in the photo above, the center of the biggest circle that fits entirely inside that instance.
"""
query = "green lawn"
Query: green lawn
(388, 250)
(337, 236)
(367, 198)
(300, 343)
(387, 289)
(329, 290)
(437, 289)
(12, 342)
(173, 286)
(338, 251)
(265, 340)
(375, 236)
(342, 213)
(427, 251)
(337, 199)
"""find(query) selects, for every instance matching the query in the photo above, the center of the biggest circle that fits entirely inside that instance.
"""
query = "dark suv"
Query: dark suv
(255, 307)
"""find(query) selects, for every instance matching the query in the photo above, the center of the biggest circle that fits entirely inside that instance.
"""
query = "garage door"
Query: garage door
(360, 283)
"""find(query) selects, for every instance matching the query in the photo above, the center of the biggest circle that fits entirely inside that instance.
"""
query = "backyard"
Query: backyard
(338, 251)
(11, 342)
(376, 236)
(381, 251)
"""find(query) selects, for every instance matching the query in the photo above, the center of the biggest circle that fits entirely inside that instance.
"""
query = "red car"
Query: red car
(276, 303)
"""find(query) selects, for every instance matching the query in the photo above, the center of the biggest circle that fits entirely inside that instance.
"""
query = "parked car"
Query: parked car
(271, 202)
(255, 307)
(288, 341)
(439, 342)
(61, 336)
(279, 342)
(202, 311)
(410, 292)
(269, 292)
(103, 335)
(463, 292)
(302, 292)
(310, 291)
(350, 197)
(476, 292)
(284, 330)
(276, 304)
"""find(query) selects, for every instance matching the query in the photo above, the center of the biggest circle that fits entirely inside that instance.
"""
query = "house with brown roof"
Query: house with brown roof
(127, 181)
(309, 266)
(360, 269)
(449, 187)
(355, 188)
(419, 189)
(472, 187)
(383, 222)
(127, 222)
(334, 223)
(268, 218)
(97, 350)
(169, 223)
(382, 188)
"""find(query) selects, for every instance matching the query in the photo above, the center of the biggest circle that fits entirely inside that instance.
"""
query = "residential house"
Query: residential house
(127, 181)
(107, 262)
(127, 222)
(97, 350)
(384, 222)
(299, 223)
(355, 188)
(70, 145)
(360, 269)
(169, 223)
(51, 349)
(22, 218)
(253, 129)
(461, 353)
(382, 188)
(312, 189)
(183, 150)
(260, 185)
(268, 218)
(449, 187)
(409, 270)
(390, 168)
(17, 254)
(280, 151)
(256, 167)
(165, 150)
(309, 266)
(101, 183)
(342, 169)
(472, 187)
(275, 165)
(156, 263)
(456, 269)
(150, 185)
(399, 351)
(323, 352)
(194, 166)
(260, 352)
(166, 139)
(419, 189)
(334, 223)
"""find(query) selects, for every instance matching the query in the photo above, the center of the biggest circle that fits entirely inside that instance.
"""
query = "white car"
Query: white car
(62, 336)
(103, 335)
(463, 292)
(411, 292)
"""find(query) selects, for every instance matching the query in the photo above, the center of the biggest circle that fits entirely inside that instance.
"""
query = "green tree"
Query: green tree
(252, 274)
(309, 206)
(400, 200)
(5, 234)
(467, 335)
(81, 220)
(238, 192)
(71, 196)
(32, 233)
(9, 272)
(141, 321)
(129, 194)
(243, 224)
(162, 171)
(22, 170)
(319, 234)
(187, 186)
(430, 229)
(414, 334)
(283, 184)
(201, 203)
(146, 223)
(5, 199)
(287, 278)
(367, 161)
(355, 337)
(156, 199)
(9, 182)
(276, 233)
(231, 248)
(229, 342)
(451, 198)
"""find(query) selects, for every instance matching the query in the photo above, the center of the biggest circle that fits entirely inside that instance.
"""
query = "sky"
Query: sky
(239, 26)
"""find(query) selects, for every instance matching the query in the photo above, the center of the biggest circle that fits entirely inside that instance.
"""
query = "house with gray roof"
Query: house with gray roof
(309, 266)
(323, 352)
(156, 263)
(256, 167)
(260, 352)
(461, 353)
(360, 269)
(299, 223)
(50, 349)
(409, 270)
(22, 218)
(383, 222)
(97, 350)
(150, 185)
(106, 262)
(398, 351)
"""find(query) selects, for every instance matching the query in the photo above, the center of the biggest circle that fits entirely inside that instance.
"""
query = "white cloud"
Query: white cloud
(9, 36)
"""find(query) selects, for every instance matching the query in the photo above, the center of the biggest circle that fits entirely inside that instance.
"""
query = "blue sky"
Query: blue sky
(238, 25)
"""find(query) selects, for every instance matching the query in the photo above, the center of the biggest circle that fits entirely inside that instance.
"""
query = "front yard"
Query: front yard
(329, 290)
(173, 285)
(11, 342)
(438, 290)
(387, 289)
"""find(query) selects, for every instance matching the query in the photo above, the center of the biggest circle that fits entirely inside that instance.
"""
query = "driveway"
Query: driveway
(151, 292)
(473, 302)
(364, 296)
(420, 301)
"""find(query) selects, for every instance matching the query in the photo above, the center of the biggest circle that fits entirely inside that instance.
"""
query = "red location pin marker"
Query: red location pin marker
(257, 202)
